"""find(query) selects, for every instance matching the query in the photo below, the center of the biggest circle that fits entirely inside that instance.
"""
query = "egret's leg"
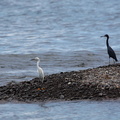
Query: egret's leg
(41, 78)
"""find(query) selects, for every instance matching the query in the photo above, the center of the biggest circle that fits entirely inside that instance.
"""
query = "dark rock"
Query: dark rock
(84, 84)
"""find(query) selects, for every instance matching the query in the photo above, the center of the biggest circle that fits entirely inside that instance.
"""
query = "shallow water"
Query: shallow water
(75, 110)
(65, 34)
(20, 67)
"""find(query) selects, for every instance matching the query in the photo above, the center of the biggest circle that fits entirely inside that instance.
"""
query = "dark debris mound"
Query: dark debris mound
(97, 83)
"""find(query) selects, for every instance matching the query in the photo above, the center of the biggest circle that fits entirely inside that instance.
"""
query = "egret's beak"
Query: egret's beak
(32, 59)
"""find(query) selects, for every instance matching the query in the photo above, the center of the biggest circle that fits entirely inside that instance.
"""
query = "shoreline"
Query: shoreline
(101, 83)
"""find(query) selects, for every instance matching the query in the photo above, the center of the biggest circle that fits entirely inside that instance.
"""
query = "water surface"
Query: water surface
(65, 34)
(75, 110)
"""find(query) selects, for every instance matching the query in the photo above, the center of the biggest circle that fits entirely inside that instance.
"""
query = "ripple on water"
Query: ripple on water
(82, 110)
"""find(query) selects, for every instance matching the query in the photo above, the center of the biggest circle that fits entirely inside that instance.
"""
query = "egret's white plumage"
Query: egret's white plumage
(39, 69)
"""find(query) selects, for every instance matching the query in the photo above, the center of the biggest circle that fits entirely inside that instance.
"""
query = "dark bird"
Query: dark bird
(110, 51)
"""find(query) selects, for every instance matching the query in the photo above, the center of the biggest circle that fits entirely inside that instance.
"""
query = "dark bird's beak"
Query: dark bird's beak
(102, 36)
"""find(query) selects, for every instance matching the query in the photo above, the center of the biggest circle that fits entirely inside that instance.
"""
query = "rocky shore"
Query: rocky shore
(97, 84)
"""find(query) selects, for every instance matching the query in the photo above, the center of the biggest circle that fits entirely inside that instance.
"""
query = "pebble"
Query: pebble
(61, 96)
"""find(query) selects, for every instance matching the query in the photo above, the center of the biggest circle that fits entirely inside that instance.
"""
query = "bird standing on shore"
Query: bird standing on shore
(110, 51)
(39, 69)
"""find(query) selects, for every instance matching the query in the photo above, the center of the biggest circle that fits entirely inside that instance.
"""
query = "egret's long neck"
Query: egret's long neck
(107, 41)
(38, 62)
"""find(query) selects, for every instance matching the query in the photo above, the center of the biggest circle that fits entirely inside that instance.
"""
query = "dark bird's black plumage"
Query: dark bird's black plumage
(110, 51)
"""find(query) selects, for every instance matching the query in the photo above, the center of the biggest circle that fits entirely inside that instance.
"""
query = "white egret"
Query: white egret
(39, 69)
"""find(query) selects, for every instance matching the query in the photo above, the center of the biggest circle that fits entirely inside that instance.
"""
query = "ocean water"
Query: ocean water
(75, 110)
(65, 34)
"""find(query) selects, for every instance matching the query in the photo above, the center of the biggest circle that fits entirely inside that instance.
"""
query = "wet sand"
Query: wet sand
(97, 84)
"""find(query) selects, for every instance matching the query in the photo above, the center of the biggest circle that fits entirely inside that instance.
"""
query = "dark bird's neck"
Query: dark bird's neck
(107, 41)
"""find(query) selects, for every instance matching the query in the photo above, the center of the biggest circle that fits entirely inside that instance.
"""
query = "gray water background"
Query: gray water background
(75, 110)
(65, 34)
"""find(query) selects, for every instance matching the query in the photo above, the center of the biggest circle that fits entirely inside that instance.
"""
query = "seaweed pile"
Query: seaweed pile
(97, 84)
